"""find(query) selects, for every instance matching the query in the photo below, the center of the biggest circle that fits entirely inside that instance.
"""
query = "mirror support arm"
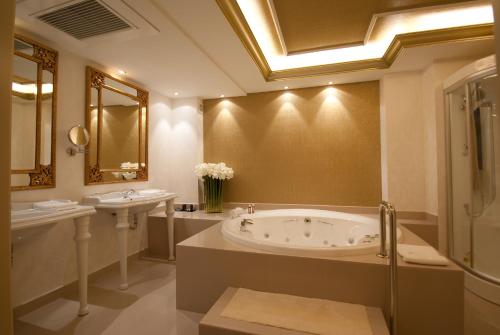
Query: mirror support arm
(74, 150)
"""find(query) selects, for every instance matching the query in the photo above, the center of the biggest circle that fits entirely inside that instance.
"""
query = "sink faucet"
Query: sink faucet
(128, 193)
(244, 223)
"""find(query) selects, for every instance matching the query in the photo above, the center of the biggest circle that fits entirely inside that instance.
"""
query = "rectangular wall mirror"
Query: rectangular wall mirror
(117, 119)
(34, 103)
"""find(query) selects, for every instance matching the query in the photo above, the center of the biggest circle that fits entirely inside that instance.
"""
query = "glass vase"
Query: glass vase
(213, 195)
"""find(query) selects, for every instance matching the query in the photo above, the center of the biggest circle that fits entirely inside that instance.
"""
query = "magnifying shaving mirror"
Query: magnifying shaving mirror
(79, 137)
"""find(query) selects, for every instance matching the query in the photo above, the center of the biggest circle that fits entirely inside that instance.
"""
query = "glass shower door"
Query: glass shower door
(485, 142)
(474, 164)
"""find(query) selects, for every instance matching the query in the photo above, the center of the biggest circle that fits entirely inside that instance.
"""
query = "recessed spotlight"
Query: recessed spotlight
(286, 87)
(222, 95)
(121, 72)
(176, 93)
(330, 82)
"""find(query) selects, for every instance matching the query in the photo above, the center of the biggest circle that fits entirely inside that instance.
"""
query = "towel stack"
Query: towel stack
(419, 254)
(55, 205)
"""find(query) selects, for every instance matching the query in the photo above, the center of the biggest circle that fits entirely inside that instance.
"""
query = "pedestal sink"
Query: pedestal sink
(27, 221)
(123, 203)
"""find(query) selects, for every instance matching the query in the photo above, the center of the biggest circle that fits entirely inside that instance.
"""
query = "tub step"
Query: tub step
(247, 312)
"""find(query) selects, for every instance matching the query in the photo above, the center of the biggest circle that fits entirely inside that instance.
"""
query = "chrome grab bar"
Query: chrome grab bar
(386, 209)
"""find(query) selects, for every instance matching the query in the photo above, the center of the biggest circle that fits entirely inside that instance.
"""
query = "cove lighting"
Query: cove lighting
(286, 87)
(330, 82)
(222, 95)
(375, 48)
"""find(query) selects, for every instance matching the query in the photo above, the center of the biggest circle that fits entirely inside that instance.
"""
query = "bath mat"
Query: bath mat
(315, 316)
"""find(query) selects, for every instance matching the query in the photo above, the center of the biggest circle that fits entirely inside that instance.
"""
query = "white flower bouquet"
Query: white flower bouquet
(213, 176)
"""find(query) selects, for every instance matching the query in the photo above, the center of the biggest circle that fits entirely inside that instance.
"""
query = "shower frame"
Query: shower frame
(482, 70)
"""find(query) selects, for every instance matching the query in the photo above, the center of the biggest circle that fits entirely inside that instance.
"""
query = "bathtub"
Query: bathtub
(307, 232)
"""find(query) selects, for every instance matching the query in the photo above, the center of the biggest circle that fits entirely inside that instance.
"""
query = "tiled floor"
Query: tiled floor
(147, 307)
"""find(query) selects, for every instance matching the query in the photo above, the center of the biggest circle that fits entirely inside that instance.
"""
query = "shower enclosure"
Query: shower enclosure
(473, 166)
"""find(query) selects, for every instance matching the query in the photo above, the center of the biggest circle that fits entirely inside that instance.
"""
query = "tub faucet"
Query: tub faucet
(385, 209)
(244, 223)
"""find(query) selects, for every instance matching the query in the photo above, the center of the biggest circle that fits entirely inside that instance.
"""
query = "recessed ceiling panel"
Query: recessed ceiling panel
(327, 24)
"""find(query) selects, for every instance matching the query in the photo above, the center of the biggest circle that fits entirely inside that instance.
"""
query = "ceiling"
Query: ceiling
(326, 24)
(189, 47)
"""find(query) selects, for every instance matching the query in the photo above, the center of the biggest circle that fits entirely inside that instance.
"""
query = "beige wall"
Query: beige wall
(6, 43)
(433, 118)
(413, 141)
(316, 145)
(46, 262)
(182, 148)
(433, 109)
(403, 135)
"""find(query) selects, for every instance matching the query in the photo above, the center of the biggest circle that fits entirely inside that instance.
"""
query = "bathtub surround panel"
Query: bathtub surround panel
(437, 309)
(316, 145)
(185, 226)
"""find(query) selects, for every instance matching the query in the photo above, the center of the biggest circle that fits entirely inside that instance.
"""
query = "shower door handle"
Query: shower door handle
(467, 209)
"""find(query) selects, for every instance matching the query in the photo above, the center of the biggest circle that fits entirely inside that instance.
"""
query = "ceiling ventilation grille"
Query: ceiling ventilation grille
(84, 19)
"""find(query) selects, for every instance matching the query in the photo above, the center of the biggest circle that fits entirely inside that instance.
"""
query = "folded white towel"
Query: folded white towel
(420, 254)
(55, 205)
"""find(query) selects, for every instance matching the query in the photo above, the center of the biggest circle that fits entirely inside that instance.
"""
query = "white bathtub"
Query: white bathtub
(306, 231)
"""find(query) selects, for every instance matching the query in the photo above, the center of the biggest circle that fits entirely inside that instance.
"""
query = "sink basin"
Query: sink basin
(31, 219)
(27, 221)
(131, 202)
(135, 201)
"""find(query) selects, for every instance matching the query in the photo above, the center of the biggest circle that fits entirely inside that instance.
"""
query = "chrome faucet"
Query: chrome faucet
(386, 209)
(128, 193)
(307, 220)
(243, 224)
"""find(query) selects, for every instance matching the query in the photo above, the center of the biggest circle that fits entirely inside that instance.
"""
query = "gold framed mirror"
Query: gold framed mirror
(34, 105)
(117, 120)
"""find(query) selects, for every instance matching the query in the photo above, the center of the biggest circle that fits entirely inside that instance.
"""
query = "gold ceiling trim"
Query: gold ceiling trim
(235, 17)
(233, 14)
(457, 34)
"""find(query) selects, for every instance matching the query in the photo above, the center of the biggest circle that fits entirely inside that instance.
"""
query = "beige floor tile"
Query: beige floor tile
(146, 308)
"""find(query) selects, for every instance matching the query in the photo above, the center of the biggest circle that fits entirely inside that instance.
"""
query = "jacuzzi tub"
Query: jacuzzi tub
(306, 231)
